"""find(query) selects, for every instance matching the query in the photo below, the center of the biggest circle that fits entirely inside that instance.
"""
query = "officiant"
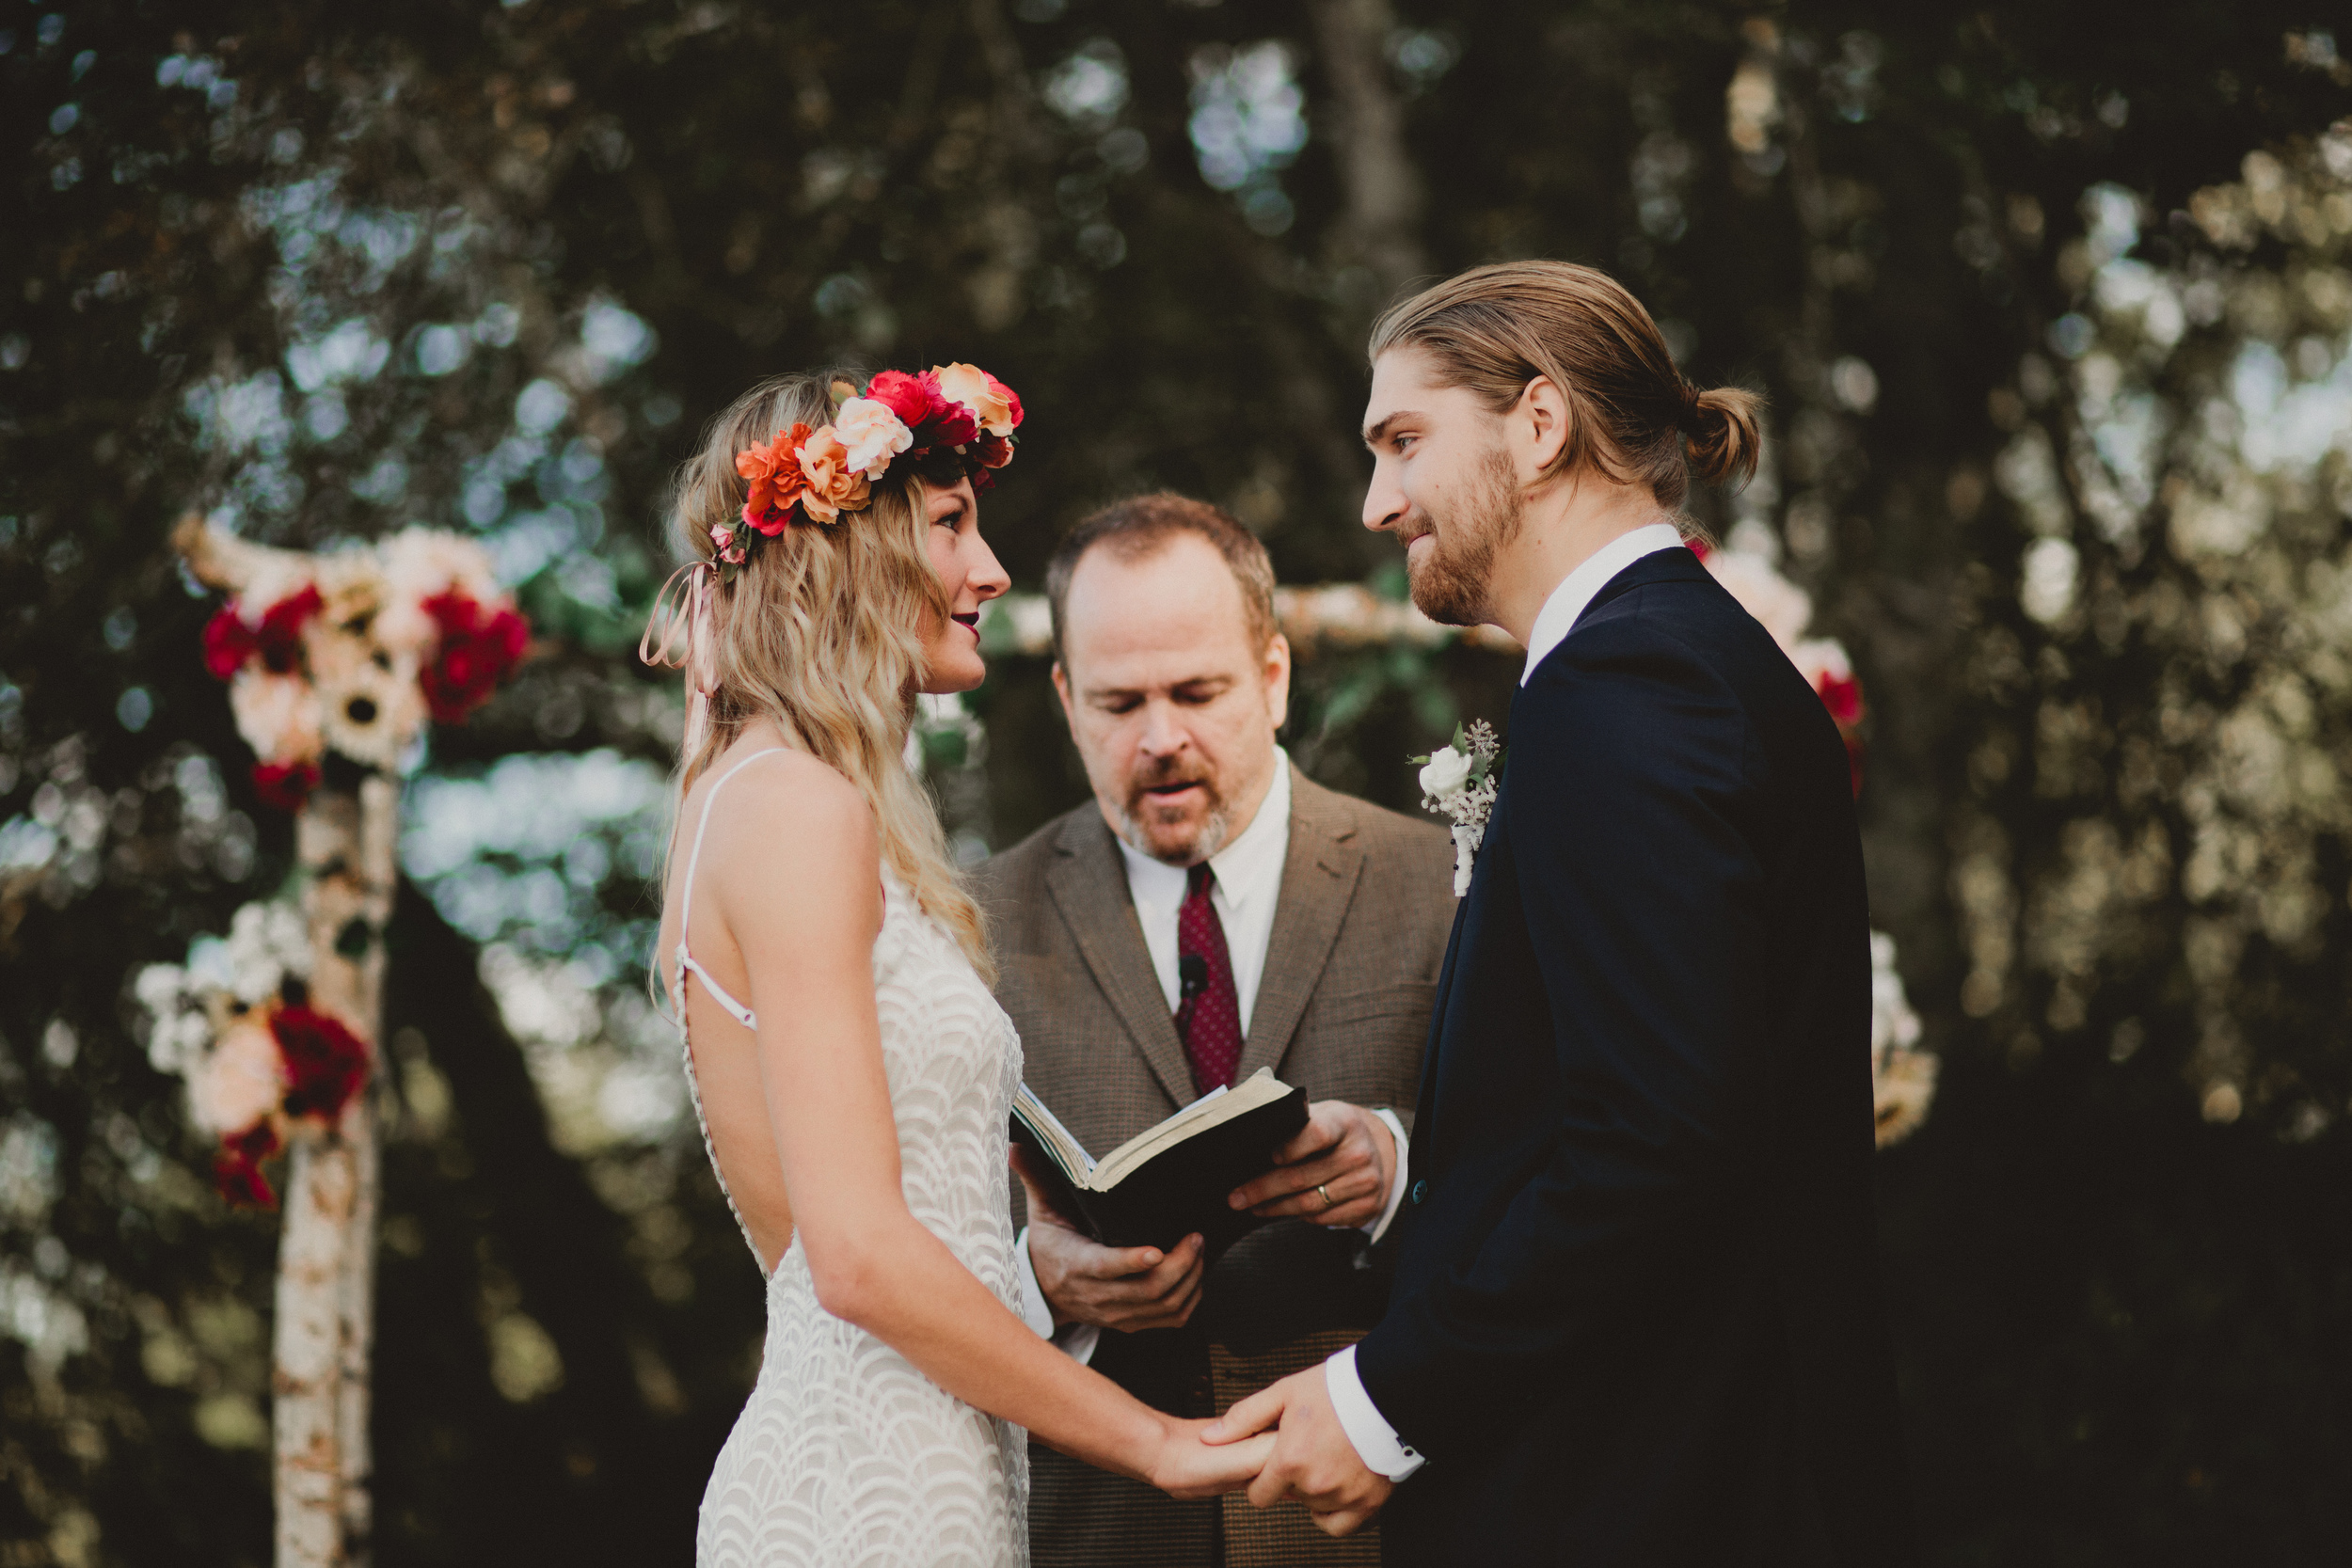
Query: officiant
(1211, 911)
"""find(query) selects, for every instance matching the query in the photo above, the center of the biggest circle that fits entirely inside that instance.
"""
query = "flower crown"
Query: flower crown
(960, 413)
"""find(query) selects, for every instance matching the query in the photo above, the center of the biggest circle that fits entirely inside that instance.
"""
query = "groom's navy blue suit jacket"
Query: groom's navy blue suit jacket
(1636, 1318)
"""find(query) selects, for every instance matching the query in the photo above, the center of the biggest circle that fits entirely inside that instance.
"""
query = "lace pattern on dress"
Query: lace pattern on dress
(847, 1456)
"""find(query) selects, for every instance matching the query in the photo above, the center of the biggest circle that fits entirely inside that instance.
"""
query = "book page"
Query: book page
(1067, 1151)
(1259, 1088)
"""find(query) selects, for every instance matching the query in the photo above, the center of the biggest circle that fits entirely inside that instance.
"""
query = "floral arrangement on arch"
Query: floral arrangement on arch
(1786, 611)
(354, 651)
(1903, 1075)
(957, 412)
(262, 1063)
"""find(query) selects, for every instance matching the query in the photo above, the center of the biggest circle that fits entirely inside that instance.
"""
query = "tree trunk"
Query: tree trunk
(326, 1262)
(1381, 224)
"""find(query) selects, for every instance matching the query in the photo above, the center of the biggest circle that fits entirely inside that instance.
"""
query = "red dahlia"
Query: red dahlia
(326, 1063)
(285, 784)
(237, 1174)
(1842, 696)
(229, 642)
(478, 648)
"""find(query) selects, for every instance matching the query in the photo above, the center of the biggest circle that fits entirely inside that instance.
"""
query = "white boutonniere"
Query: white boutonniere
(1459, 783)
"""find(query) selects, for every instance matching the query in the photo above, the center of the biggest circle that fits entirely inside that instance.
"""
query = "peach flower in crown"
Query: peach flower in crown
(833, 486)
(870, 435)
(993, 404)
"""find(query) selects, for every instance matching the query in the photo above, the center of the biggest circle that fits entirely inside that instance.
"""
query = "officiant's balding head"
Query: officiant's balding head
(1171, 669)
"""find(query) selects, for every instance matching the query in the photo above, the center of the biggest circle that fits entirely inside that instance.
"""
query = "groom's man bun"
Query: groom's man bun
(1494, 329)
(1142, 526)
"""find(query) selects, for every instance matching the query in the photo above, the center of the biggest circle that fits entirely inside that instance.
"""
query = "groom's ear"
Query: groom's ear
(1540, 426)
(1061, 690)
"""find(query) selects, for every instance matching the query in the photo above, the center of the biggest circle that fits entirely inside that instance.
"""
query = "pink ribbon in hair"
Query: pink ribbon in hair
(678, 637)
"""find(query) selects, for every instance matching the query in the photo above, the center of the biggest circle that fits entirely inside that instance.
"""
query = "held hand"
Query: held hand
(1312, 1460)
(1188, 1467)
(1127, 1289)
(1344, 1151)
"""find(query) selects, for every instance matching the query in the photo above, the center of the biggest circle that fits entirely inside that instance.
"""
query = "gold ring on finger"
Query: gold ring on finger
(1327, 1194)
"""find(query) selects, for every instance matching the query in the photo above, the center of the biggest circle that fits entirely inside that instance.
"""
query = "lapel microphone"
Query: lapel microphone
(1192, 976)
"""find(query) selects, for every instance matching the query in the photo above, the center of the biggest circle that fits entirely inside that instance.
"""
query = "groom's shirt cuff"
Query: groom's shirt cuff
(1078, 1341)
(1375, 1441)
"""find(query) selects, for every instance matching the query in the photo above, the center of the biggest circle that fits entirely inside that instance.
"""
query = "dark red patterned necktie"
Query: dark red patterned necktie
(1208, 1020)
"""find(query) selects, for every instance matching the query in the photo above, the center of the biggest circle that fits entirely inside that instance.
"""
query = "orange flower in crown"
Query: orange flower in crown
(778, 480)
(957, 415)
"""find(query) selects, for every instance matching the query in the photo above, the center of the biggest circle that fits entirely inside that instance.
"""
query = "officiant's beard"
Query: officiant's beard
(1453, 582)
(1216, 824)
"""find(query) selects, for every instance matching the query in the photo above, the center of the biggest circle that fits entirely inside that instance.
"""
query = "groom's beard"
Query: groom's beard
(1452, 582)
(1139, 814)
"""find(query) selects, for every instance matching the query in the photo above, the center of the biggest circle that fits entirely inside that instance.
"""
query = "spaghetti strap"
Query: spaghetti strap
(686, 961)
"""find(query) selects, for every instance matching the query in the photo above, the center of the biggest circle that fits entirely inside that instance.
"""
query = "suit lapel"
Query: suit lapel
(1426, 1102)
(1090, 888)
(1319, 876)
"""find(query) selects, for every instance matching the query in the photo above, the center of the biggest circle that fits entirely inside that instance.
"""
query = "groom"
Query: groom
(1636, 1317)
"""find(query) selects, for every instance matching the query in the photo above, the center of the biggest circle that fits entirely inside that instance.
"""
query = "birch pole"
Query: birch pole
(325, 1329)
(327, 1262)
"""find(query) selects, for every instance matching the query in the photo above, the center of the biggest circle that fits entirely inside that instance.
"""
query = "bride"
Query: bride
(852, 1074)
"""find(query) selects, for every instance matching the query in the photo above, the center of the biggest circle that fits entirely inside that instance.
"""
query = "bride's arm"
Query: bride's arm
(803, 899)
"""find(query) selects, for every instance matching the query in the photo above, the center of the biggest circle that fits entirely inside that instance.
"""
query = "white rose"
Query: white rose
(873, 434)
(1445, 774)
(419, 563)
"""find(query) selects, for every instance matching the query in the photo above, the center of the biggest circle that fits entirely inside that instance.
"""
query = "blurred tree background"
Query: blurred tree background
(2054, 308)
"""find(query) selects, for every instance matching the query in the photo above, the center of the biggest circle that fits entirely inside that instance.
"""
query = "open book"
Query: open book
(1170, 1181)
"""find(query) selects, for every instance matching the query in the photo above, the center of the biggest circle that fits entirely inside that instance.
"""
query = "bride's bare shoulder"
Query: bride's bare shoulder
(789, 819)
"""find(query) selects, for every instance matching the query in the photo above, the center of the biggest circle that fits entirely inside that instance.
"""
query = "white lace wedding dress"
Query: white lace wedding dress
(845, 1455)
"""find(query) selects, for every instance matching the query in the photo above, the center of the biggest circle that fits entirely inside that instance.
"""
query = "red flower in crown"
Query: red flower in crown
(326, 1063)
(934, 417)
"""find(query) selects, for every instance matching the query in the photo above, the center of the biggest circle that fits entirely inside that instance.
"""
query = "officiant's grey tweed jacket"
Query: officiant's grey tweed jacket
(1343, 1009)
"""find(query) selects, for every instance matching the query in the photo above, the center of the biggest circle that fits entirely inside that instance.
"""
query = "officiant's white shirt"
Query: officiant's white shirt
(1375, 1440)
(1245, 886)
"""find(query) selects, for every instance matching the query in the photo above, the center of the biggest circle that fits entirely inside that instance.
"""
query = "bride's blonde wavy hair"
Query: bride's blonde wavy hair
(822, 634)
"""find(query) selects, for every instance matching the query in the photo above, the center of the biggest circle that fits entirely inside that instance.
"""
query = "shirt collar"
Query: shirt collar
(1576, 590)
(1251, 864)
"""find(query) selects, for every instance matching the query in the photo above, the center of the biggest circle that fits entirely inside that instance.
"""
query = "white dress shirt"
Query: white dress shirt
(1375, 1440)
(1567, 601)
(1246, 884)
